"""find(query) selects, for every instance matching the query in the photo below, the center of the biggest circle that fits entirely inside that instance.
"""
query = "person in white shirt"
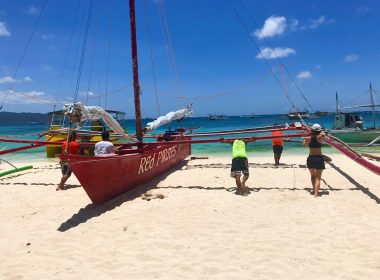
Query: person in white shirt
(104, 147)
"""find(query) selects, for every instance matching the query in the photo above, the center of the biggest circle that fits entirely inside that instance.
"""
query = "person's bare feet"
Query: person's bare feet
(60, 188)
(245, 190)
(239, 191)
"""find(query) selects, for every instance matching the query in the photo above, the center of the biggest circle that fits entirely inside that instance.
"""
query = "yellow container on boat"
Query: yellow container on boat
(52, 150)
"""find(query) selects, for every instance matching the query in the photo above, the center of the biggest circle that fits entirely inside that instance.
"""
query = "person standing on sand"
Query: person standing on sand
(240, 163)
(69, 147)
(277, 145)
(315, 161)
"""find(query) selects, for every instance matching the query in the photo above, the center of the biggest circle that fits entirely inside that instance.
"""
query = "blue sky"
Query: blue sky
(212, 55)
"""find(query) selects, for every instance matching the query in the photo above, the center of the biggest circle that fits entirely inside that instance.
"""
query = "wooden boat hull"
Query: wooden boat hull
(358, 136)
(104, 178)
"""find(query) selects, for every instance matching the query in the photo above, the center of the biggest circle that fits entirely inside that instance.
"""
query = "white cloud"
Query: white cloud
(3, 30)
(84, 93)
(33, 11)
(47, 36)
(269, 53)
(315, 23)
(9, 79)
(273, 26)
(351, 58)
(46, 67)
(277, 25)
(6, 79)
(32, 97)
(304, 75)
(294, 24)
(363, 9)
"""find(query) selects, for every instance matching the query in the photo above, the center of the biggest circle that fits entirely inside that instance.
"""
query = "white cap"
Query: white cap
(316, 127)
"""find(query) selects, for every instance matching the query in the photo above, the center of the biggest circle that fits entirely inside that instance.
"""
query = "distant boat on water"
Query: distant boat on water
(34, 122)
(321, 113)
(349, 126)
(214, 117)
(297, 115)
(250, 116)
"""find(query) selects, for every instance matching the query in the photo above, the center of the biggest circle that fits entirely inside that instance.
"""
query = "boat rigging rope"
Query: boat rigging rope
(109, 50)
(68, 50)
(93, 55)
(265, 60)
(23, 54)
(346, 104)
(54, 101)
(43, 101)
(83, 51)
(172, 60)
(231, 91)
(151, 58)
(277, 57)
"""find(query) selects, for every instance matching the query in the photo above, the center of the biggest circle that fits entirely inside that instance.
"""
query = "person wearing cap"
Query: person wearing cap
(315, 161)
(104, 147)
(277, 145)
(239, 164)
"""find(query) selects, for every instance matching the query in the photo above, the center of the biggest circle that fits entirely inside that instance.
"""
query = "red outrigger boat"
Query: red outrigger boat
(104, 178)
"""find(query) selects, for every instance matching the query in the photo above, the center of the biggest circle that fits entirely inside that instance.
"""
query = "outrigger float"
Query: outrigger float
(14, 169)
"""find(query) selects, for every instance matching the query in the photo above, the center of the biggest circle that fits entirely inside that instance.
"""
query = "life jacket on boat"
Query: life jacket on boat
(239, 149)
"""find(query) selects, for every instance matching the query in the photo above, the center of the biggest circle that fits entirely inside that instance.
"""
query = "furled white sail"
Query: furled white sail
(169, 117)
(78, 114)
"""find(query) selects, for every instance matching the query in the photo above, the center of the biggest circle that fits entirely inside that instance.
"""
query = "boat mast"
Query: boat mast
(135, 69)
(372, 106)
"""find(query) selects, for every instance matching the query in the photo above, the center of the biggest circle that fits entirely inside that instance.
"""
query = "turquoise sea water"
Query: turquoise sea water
(200, 124)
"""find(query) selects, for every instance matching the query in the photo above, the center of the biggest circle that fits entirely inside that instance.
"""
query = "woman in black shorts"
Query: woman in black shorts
(315, 162)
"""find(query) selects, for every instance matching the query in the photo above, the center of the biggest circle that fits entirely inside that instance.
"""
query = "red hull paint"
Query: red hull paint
(104, 178)
(355, 157)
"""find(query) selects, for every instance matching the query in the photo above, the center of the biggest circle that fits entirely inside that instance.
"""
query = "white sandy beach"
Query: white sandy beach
(189, 224)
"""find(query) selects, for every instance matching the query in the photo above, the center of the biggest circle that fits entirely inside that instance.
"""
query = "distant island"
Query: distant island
(13, 118)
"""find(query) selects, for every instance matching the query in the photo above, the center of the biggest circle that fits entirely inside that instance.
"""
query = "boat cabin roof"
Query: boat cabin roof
(116, 114)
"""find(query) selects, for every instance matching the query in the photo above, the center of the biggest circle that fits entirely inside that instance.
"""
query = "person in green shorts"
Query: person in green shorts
(239, 164)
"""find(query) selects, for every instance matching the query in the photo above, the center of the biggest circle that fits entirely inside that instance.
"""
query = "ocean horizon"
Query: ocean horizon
(197, 124)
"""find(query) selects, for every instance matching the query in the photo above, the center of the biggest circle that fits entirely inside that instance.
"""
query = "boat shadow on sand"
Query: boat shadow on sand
(95, 210)
(357, 185)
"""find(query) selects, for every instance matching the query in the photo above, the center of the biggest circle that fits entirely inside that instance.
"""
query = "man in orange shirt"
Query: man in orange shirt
(277, 145)
(71, 148)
